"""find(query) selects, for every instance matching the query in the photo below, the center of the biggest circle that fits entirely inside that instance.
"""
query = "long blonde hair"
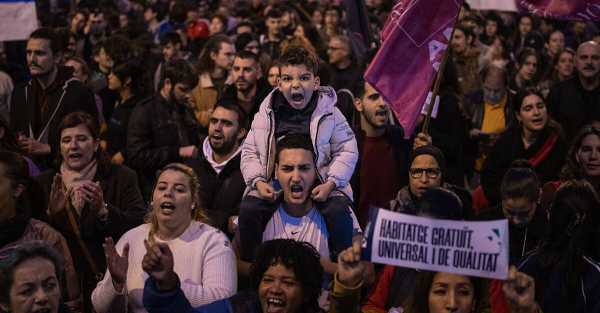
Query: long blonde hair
(198, 213)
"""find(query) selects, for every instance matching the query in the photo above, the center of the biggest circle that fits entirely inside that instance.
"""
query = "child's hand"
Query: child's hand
(266, 191)
(422, 139)
(321, 192)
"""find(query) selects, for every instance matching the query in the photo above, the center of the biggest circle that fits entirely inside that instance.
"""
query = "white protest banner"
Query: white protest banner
(466, 248)
(501, 5)
(17, 19)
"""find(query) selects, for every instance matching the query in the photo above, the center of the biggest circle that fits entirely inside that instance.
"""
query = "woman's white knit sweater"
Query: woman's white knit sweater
(204, 262)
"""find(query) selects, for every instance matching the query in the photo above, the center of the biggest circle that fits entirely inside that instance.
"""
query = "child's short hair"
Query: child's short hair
(298, 55)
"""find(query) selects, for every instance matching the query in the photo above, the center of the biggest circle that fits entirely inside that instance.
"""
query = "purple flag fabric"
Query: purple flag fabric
(415, 39)
(580, 10)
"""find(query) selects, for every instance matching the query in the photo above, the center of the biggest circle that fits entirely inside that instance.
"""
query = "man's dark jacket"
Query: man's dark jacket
(572, 106)
(154, 136)
(65, 95)
(221, 193)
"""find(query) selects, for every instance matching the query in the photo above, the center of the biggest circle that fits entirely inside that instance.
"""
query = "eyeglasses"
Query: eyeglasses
(432, 173)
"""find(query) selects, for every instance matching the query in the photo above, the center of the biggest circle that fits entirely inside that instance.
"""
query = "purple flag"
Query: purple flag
(580, 10)
(415, 39)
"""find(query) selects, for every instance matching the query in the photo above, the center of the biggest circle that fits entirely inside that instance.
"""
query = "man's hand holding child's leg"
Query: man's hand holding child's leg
(322, 191)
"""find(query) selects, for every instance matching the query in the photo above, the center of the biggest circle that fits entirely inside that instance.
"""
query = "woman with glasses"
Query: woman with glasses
(427, 168)
(535, 137)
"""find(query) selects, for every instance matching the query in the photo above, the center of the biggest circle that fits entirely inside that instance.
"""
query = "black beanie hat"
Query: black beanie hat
(436, 153)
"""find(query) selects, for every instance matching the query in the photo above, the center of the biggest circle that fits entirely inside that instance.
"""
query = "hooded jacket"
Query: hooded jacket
(333, 142)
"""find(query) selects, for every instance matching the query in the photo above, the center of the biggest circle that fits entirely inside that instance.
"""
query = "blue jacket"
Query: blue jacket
(175, 301)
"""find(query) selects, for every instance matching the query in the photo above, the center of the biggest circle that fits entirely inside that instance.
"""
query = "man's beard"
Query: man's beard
(226, 148)
(369, 118)
(175, 100)
(247, 88)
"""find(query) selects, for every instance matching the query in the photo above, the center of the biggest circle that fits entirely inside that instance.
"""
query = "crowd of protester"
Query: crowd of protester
(223, 156)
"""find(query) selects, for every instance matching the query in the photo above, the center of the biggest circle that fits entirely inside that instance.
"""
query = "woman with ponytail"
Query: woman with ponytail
(203, 258)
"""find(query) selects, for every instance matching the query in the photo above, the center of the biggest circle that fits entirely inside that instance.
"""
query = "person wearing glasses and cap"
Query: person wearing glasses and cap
(427, 166)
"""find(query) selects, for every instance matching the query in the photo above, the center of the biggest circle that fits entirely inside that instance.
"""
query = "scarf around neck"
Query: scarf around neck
(73, 179)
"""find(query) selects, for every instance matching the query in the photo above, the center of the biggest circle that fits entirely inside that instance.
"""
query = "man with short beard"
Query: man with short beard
(383, 153)
(162, 129)
(218, 165)
(249, 87)
(38, 106)
(574, 102)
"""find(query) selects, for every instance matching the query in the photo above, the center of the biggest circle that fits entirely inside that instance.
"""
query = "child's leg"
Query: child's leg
(254, 215)
(336, 211)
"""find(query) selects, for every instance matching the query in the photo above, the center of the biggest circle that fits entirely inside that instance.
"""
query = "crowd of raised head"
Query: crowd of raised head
(223, 156)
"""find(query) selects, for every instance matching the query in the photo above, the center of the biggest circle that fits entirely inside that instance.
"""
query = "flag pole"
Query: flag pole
(438, 80)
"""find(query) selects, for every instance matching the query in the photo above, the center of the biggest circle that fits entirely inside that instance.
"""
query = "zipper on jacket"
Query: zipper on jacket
(317, 157)
(316, 148)
(269, 144)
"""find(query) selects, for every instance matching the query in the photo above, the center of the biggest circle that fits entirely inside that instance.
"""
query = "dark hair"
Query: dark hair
(520, 181)
(245, 23)
(242, 40)
(294, 141)
(50, 35)
(572, 168)
(223, 21)
(11, 259)
(438, 202)
(419, 301)
(431, 150)
(213, 45)
(274, 13)
(557, 59)
(118, 47)
(179, 71)
(159, 9)
(75, 119)
(232, 105)
(333, 7)
(178, 12)
(243, 54)
(571, 235)
(170, 38)
(467, 31)
(521, 95)
(301, 258)
(296, 56)
(130, 70)
(522, 58)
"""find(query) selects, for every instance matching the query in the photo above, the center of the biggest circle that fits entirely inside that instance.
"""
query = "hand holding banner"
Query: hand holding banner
(466, 248)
